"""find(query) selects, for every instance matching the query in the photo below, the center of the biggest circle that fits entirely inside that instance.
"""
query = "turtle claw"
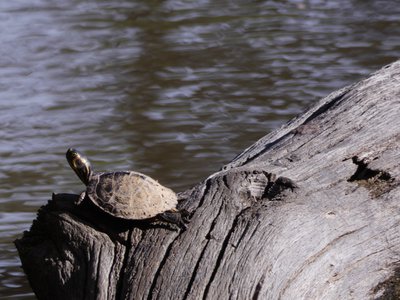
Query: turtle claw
(80, 198)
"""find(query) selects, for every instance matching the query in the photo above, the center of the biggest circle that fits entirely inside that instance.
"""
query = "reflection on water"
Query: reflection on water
(172, 88)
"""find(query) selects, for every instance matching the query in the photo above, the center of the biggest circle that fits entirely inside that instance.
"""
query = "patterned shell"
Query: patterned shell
(130, 195)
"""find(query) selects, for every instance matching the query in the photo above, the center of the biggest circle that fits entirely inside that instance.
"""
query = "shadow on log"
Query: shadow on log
(310, 211)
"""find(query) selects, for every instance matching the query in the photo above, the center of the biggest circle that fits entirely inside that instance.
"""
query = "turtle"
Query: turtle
(126, 195)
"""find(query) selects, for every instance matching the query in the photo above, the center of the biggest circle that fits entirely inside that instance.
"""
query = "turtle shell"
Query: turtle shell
(130, 195)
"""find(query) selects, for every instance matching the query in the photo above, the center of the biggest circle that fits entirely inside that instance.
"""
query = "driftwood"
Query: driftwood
(310, 211)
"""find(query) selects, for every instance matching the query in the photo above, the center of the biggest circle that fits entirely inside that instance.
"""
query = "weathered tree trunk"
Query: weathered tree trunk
(310, 211)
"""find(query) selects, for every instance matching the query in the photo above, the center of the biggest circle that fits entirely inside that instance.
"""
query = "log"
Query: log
(310, 211)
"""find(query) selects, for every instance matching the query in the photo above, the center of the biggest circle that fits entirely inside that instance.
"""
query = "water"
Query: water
(172, 88)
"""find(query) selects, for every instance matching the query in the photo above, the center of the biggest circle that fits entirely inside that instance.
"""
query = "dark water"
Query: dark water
(173, 88)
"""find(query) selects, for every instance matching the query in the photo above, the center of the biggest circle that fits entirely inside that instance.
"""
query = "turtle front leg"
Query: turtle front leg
(81, 198)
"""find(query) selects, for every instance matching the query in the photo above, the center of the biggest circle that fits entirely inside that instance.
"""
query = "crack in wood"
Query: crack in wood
(96, 286)
(214, 222)
(244, 232)
(113, 265)
(221, 255)
(225, 181)
(326, 106)
(232, 283)
(194, 273)
(160, 267)
(208, 237)
(121, 276)
(258, 288)
(205, 192)
(126, 288)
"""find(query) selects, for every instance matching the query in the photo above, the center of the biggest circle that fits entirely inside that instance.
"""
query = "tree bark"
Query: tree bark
(310, 211)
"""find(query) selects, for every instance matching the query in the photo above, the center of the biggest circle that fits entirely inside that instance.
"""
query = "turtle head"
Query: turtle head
(80, 164)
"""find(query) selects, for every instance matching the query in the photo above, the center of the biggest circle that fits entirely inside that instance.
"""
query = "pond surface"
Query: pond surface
(174, 89)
